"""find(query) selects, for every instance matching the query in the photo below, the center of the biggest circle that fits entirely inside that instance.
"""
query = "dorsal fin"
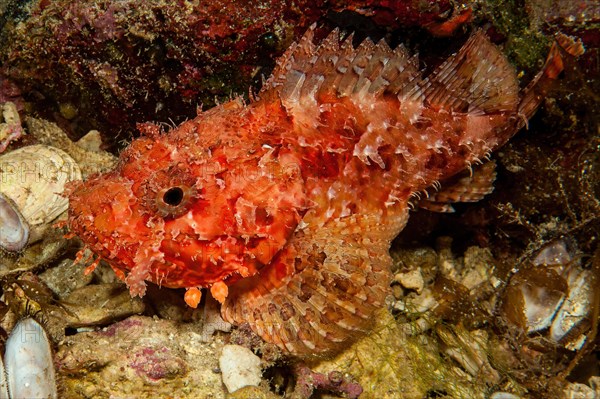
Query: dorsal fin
(477, 79)
(306, 71)
(466, 187)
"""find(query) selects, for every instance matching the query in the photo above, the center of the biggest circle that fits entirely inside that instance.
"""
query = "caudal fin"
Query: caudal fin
(564, 47)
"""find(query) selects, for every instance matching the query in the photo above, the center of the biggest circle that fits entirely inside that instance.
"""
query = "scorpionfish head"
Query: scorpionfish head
(181, 213)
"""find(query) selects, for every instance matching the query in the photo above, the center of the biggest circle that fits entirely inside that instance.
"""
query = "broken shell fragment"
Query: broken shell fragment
(575, 310)
(34, 178)
(14, 230)
(28, 362)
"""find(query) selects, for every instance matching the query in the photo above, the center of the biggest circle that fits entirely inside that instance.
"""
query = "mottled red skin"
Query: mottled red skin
(292, 200)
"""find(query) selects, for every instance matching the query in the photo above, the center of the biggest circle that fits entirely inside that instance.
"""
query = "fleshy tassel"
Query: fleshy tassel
(192, 297)
(219, 291)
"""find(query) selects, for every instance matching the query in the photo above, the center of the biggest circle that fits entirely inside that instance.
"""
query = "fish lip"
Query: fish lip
(88, 200)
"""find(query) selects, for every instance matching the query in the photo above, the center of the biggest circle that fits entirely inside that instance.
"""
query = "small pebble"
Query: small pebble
(412, 280)
(65, 278)
(240, 367)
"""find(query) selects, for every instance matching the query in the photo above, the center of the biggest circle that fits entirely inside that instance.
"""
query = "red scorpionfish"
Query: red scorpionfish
(285, 207)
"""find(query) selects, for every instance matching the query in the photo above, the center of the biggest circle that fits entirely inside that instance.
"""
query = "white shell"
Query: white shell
(540, 307)
(28, 362)
(34, 178)
(576, 306)
(14, 230)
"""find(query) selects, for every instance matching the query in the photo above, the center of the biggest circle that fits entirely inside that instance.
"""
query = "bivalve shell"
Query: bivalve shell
(575, 309)
(14, 230)
(28, 362)
(34, 178)
(552, 298)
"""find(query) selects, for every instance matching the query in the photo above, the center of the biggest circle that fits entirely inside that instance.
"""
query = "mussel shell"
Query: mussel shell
(14, 230)
(28, 362)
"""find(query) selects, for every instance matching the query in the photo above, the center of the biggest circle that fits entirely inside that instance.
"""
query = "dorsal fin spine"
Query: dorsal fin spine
(338, 67)
(343, 61)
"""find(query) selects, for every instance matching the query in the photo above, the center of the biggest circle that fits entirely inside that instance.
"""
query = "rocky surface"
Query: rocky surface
(140, 357)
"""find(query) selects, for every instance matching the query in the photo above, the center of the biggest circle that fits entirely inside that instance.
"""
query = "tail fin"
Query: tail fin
(564, 47)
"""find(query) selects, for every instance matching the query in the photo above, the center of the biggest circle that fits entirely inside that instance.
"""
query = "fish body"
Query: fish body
(286, 207)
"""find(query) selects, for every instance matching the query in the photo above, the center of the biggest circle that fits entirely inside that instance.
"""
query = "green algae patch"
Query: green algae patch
(390, 363)
(525, 45)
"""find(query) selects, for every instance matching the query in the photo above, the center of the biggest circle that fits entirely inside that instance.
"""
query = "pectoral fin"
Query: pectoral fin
(319, 293)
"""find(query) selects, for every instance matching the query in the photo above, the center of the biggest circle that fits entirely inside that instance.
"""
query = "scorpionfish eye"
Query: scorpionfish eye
(175, 201)
(170, 193)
